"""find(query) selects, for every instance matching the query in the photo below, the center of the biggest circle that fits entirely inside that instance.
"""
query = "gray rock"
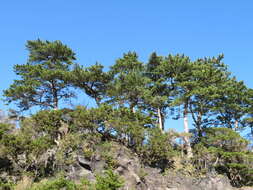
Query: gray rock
(77, 172)
(84, 163)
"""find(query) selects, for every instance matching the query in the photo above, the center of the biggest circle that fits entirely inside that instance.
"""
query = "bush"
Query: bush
(54, 184)
(110, 181)
(226, 151)
(158, 151)
(48, 122)
(6, 186)
(107, 154)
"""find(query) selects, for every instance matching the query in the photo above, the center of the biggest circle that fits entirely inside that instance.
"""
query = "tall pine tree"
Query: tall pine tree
(41, 80)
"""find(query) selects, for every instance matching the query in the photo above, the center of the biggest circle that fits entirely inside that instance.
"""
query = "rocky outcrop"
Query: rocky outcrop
(139, 177)
(127, 165)
(179, 182)
(246, 188)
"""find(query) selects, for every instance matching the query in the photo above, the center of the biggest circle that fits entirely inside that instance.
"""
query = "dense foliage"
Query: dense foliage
(133, 100)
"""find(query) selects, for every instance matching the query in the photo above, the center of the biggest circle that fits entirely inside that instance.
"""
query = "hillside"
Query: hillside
(103, 159)
(121, 141)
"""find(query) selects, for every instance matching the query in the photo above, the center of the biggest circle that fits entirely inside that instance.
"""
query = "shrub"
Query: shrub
(110, 181)
(107, 154)
(6, 186)
(226, 151)
(54, 184)
(158, 151)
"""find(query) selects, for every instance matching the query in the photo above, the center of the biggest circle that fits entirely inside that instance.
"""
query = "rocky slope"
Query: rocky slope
(139, 177)
(127, 164)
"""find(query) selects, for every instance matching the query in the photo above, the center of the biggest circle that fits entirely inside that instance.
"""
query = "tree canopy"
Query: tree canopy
(133, 100)
(41, 80)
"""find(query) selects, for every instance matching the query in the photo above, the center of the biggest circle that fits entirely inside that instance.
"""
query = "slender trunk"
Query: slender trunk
(199, 123)
(97, 101)
(132, 104)
(55, 104)
(160, 119)
(186, 130)
(131, 140)
(55, 96)
(236, 125)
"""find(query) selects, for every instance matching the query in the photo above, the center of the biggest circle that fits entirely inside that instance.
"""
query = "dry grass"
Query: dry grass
(24, 184)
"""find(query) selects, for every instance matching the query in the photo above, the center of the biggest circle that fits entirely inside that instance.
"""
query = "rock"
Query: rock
(22, 160)
(84, 163)
(77, 172)
(129, 167)
(215, 183)
(5, 164)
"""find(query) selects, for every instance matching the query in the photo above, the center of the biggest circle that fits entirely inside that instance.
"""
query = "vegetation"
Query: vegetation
(133, 99)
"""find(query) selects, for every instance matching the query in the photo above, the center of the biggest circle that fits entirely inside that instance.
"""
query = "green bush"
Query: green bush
(6, 186)
(110, 181)
(157, 151)
(226, 151)
(107, 154)
(55, 184)
(48, 122)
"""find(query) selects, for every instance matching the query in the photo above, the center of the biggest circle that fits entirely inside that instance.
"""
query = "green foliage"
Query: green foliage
(128, 82)
(128, 126)
(84, 119)
(48, 123)
(23, 146)
(42, 78)
(225, 139)
(110, 181)
(4, 128)
(226, 151)
(157, 151)
(232, 105)
(107, 153)
(133, 100)
(70, 143)
(55, 184)
(6, 186)
(92, 80)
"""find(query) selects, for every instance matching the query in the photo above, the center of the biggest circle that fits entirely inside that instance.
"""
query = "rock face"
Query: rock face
(155, 181)
(128, 166)
(144, 178)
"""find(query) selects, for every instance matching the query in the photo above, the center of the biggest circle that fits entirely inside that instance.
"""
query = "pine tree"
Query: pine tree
(41, 82)
(93, 80)
(209, 75)
(181, 71)
(248, 120)
(232, 106)
(128, 82)
(156, 96)
(197, 87)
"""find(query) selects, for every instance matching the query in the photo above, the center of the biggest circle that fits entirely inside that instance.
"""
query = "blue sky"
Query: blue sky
(103, 30)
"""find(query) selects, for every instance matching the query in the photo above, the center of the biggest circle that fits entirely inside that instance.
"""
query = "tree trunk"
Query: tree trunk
(236, 125)
(97, 100)
(55, 96)
(131, 140)
(133, 110)
(160, 120)
(186, 130)
(55, 104)
(132, 107)
(199, 124)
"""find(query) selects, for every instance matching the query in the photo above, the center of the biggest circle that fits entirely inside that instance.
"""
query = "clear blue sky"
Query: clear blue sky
(102, 30)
